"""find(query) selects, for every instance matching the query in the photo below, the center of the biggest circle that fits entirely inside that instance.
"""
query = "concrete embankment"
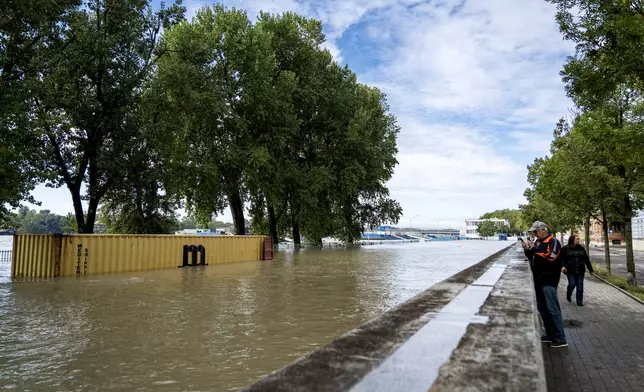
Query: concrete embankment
(475, 331)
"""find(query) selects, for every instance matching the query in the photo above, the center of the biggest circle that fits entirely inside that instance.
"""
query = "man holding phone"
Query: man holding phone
(546, 269)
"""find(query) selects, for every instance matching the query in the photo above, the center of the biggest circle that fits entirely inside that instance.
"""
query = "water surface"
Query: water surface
(206, 329)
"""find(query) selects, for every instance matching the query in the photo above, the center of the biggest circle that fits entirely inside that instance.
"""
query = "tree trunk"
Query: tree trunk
(628, 236)
(606, 240)
(296, 230)
(272, 224)
(587, 233)
(78, 208)
(237, 210)
(90, 220)
(348, 222)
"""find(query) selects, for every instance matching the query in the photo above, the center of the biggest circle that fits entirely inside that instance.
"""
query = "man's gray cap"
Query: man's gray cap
(538, 225)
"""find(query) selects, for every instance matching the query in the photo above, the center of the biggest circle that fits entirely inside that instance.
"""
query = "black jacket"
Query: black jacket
(575, 259)
(545, 261)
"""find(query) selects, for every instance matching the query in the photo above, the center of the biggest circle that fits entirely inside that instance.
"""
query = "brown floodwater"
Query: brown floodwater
(214, 328)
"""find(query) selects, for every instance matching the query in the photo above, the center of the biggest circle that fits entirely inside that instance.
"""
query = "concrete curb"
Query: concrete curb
(618, 288)
(505, 353)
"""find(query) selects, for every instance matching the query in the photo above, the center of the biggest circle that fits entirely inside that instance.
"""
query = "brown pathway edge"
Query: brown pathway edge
(347, 359)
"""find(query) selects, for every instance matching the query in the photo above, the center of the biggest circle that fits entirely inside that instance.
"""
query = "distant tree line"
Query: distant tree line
(138, 113)
(517, 222)
(27, 220)
(595, 168)
(38, 222)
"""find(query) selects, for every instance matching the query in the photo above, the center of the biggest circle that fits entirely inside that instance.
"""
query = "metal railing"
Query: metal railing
(5, 256)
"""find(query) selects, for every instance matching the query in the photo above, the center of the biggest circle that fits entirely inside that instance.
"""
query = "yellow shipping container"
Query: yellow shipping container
(45, 256)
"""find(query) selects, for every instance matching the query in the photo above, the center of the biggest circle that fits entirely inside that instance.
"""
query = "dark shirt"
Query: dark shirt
(575, 259)
(545, 261)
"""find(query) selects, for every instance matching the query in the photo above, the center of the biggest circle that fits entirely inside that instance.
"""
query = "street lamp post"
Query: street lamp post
(410, 218)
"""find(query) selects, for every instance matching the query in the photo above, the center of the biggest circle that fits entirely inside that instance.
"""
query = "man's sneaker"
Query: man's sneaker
(546, 339)
(580, 304)
(558, 344)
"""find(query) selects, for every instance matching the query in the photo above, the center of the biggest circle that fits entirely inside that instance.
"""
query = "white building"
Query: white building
(471, 229)
(638, 226)
(638, 231)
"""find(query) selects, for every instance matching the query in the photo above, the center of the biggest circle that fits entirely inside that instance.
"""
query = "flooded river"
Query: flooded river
(216, 328)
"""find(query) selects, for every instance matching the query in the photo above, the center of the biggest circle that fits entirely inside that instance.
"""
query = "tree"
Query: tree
(605, 79)
(262, 113)
(143, 202)
(619, 136)
(39, 222)
(213, 78)
(330, 168)
(27, 27)
(188, 222)
(83, 107)
(609, 39)
(556, 216)
(517, 222)
(487, 229)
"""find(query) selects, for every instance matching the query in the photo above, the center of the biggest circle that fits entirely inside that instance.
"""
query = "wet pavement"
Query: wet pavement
(213, 328)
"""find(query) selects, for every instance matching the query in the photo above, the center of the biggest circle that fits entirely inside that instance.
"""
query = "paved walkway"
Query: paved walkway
(606, 343)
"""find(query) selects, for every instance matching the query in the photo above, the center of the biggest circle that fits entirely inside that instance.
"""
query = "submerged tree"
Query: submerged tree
(27, 29)
(82, 107)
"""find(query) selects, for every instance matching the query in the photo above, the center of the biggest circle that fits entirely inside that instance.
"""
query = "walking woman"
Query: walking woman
(575, 260)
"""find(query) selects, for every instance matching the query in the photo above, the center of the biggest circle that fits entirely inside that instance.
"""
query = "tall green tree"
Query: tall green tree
(27, 28)
(214, 80)
(609, 39)
(83, 108)
(605, 78)
(332, 165)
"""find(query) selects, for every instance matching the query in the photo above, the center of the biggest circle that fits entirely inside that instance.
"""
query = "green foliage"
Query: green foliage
(188, 222)
(595, 167)
(81, 110)
(143, 113)
(26, 28)
(38, 222)
(487, 229)
(609, 38)
(264, 115)
(515, 217)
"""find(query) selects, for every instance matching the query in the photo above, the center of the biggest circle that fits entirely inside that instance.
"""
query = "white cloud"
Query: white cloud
(453, 174)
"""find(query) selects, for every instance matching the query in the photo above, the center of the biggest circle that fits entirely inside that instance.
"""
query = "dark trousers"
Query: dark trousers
(550, 311)
(576, 281)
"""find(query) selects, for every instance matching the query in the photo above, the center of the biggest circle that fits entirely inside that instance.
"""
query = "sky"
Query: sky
(474, 84)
